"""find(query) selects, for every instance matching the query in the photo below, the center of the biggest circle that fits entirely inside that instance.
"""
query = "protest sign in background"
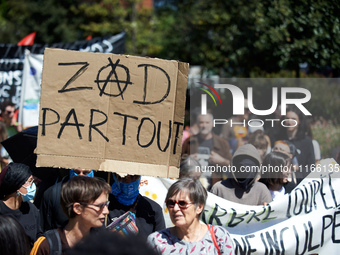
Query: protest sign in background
(111, 112)
(30, 91)
(306, 221)
(12, 60)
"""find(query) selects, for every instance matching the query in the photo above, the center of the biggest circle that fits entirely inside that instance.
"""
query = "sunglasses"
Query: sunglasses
(181, 204)
(100, 206)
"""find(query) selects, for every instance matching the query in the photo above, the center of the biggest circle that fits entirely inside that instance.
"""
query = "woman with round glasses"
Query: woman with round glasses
(185, 201)
(17, 189)
(84, 201)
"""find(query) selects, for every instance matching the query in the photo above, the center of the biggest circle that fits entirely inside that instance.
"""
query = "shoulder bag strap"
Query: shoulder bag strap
(213, 237)
(54, 241)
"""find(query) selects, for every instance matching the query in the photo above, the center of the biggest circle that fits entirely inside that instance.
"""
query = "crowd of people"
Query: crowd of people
(81, 212)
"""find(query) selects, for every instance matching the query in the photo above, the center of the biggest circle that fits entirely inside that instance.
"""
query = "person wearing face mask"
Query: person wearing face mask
(51, 214)
(17, 189)
(242, 186)
(125, 197)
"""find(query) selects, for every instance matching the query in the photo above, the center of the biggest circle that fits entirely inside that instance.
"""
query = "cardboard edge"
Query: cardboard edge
(121, 167)
(179, 109)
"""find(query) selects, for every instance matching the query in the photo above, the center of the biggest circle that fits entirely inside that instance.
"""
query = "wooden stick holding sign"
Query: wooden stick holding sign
(111, 112)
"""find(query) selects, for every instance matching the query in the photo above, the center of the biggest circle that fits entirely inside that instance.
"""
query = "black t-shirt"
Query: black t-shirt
(28, 216)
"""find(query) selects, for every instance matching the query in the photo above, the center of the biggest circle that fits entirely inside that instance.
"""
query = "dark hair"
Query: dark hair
(12, 177)
(188, 166)
(196, 192)
(107, 243)
(273, 159)
(13, 239)
(302, 124)
(81, 189)
(5, 104)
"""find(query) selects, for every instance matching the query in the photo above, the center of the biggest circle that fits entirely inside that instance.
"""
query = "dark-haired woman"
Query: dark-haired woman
(185, 200)
(276, 167)
(84, 201)
(295, 131)
(13, 239)
(17, 189)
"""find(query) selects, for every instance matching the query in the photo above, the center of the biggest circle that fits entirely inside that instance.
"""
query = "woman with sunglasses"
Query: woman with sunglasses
(17, 189)
(84, 201)
(185, 201)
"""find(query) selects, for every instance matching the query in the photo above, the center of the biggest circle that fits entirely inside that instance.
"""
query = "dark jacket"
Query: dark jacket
(52, 215)
(149, 215)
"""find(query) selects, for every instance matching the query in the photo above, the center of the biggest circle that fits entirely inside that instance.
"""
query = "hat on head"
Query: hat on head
(12, 177)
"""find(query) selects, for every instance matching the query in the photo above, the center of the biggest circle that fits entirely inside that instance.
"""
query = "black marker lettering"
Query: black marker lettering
(250, 250)
(66, 123)
(254, 215)
(311, 199)
(265, 245)
(332, 190)
(95, 126)
(298, 238)
(296, 199)
(273, 242)
(153, 135)
(125, 123)
(335, 225)
(146, 82)
(159, 136)
(44, 124)
(235, 220)
(75, 76)
(238, 247)
(324, 226)
(108, 79)
(281, 239)
(216, 217)
(310, 247)
(176, 136)
(323, 195)
(269, 211)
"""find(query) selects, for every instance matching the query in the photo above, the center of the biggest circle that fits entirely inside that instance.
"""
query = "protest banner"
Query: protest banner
(12, 60)
(306, 221)
(30, 91)
(111, 112)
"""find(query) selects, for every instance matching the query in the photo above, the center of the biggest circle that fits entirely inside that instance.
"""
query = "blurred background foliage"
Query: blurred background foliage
(235, 37)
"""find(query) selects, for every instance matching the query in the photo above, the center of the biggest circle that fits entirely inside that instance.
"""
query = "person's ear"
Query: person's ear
(77, 208)
(199, 209)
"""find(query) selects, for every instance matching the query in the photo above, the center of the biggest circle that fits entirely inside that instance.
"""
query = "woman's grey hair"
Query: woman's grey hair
(193, 187)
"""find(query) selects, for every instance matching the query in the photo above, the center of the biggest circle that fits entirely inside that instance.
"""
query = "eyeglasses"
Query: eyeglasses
(100, 206)
(29, 182)
(181, 204)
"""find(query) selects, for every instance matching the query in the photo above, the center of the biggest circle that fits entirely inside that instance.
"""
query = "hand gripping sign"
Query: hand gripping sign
(111, 112)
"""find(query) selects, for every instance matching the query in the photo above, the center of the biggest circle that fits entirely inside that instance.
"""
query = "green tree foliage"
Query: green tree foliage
(234, 37)
(242, 36)
(51, 19)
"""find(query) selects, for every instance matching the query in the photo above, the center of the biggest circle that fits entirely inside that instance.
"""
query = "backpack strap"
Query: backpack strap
(53, 239)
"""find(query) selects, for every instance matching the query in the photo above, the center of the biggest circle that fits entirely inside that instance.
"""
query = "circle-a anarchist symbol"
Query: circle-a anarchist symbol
(102, 83)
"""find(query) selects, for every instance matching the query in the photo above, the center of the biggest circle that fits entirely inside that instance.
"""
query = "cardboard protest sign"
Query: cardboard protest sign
(305, 221)
(110, 112)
